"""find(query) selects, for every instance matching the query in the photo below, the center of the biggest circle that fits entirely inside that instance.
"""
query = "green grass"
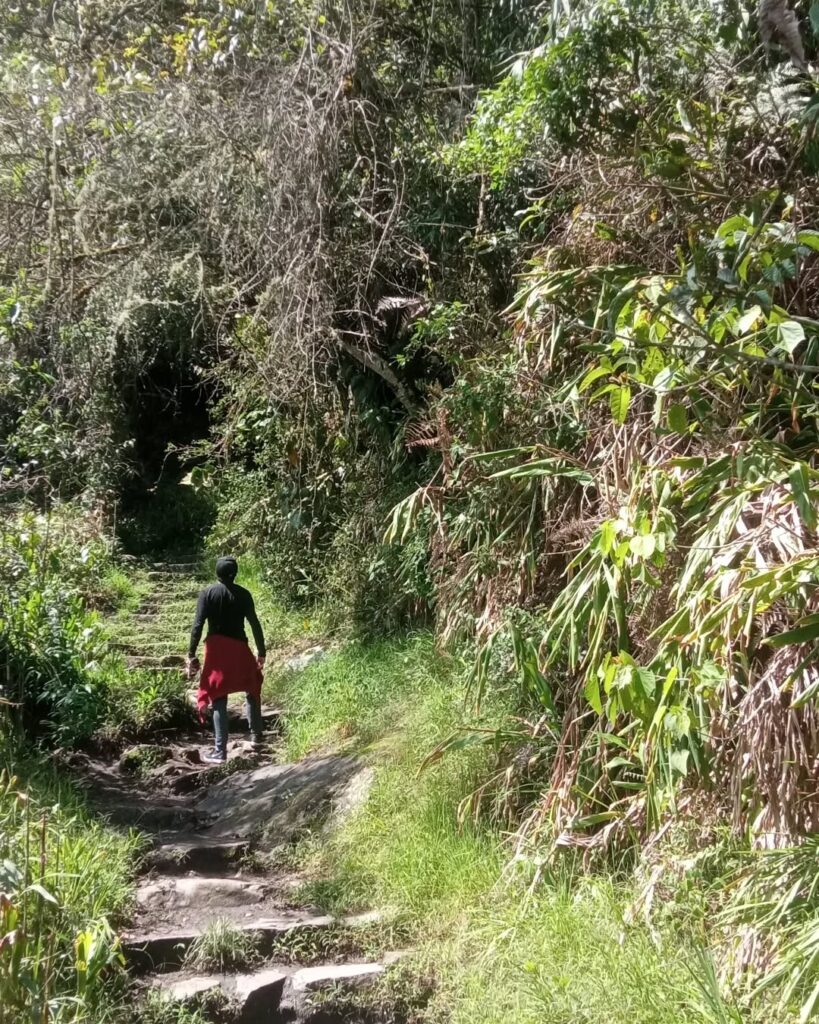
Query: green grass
(222, 946)
(62, 897)
(364, 693)
(157, 1009)
(562, 954)
(565, 956)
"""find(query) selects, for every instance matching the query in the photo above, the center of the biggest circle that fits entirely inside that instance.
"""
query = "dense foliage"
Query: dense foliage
(532, 288)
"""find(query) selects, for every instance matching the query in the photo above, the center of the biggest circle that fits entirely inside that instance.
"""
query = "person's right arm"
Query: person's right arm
(198, 625)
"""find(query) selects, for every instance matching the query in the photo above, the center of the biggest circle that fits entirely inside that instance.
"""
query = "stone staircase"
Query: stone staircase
(205, 872)
(211, 870)
(155, 636)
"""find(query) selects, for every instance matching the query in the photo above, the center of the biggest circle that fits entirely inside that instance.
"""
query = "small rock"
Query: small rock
(310, 979)
(258, 995)
(302, 661)
(186, 782)
(187, 989)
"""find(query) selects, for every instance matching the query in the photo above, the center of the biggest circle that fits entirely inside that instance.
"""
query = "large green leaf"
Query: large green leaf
(619, 401)
(805, 631)
(814, 19)
(747, 320)
(594, 374)
(800, 488)
(546, 467)
(643, 545)
(809, 238)
(789, 335)
(591, 691)
(678, 418)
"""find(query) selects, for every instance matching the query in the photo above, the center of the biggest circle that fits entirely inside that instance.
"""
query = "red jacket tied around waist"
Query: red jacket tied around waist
(229, 667)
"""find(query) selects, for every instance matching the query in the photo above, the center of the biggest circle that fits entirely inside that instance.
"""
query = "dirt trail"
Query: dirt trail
(217, 883)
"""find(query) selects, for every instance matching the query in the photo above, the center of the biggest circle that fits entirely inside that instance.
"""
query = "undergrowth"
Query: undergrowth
(61, 900)
(571, 948)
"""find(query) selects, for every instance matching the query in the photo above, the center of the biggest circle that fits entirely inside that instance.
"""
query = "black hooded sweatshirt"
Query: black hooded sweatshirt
(225, 606)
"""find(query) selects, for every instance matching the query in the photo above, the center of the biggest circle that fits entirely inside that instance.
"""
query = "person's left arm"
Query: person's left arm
(256, 627)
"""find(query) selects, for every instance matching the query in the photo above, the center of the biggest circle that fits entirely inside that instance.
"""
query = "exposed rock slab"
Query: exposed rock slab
(273, 993)
(276, 800)
(199, 854)
(314, 979)
(352, 796)
(174, 893)
(299, 662)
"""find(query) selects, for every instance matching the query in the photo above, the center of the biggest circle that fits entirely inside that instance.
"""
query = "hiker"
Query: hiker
(229, 664)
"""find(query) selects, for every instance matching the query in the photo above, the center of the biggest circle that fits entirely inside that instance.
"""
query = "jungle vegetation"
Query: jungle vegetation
(493, 320)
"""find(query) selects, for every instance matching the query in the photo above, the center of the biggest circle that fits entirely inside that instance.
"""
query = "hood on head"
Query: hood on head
(227, 569)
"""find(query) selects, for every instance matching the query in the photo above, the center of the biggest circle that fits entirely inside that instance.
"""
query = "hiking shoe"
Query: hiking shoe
(214, 757)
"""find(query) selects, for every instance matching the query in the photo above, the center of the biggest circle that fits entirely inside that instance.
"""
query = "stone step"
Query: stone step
(206, 856)
(165, 600)
(171, 893)
(154, 668)
(146, 816)
(158, 616)
(163, 950)
(314, 979)
(278, 992)
(168, 579)
(152, 647)
(176, 567)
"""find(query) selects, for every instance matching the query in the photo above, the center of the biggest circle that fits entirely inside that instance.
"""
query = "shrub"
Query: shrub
(49, 643)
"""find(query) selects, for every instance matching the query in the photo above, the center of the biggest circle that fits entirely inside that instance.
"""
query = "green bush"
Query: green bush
(140, 701)
(49, 642)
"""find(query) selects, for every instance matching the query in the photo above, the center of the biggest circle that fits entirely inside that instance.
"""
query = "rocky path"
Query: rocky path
(218, 920)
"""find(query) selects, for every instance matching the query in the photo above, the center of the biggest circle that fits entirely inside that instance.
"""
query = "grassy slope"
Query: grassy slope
(562, 956)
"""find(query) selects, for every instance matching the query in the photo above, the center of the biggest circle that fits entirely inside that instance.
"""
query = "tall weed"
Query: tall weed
(59, 954)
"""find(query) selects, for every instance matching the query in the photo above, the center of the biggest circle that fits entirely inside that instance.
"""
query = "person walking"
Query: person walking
(229, 663)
